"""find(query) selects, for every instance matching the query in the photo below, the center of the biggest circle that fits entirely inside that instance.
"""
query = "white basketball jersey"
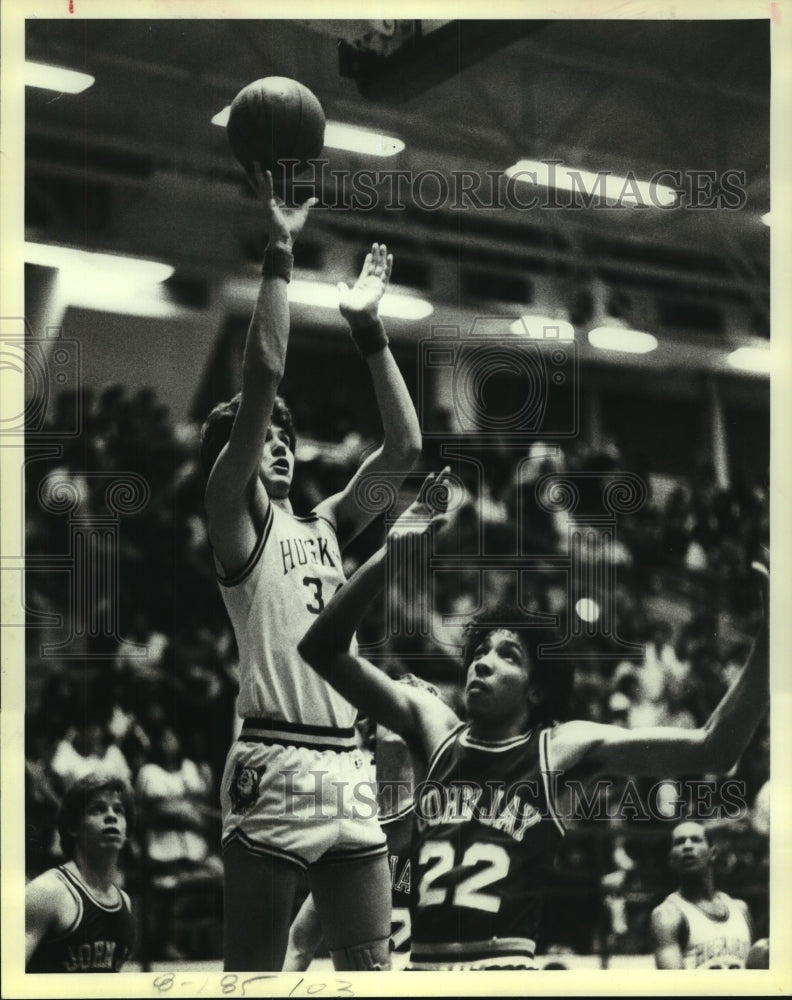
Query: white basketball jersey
(713, 943)
(291, 575)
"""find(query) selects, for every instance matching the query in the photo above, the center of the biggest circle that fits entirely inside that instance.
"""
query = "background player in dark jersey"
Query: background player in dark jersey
(276, 571)
(697, 927)
(499, 789)
(77, 919)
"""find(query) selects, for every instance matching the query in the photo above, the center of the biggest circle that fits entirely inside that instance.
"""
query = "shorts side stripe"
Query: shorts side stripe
(341, 857)
(263, 850)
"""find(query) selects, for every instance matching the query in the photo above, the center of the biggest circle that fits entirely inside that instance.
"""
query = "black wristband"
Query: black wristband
(371, 338)
(278, 263)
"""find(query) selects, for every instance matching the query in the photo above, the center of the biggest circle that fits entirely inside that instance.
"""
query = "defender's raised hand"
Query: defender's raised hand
(359, 305)
(427, 512)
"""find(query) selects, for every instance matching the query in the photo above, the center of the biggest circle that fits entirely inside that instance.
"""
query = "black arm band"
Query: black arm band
(371, 338)
(278, 263)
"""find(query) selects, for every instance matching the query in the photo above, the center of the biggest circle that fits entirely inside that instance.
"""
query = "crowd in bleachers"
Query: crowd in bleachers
(154, 697)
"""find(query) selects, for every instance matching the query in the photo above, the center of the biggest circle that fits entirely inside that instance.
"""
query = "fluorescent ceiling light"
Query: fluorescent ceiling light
(341, 136)
(129, 270)
(312, 293)
(586, 183)
(64, 81)
(751, 359)
(766, 218)
(151, 301)
(395, 304)
(618, 338)
(360, 140)
(543, 328)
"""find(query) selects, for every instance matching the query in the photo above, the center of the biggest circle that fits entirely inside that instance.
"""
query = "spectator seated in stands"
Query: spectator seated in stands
(177, 824)
(88, 746)
(42, 798)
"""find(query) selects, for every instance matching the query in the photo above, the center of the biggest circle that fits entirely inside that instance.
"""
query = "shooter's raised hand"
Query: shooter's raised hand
(283, 225)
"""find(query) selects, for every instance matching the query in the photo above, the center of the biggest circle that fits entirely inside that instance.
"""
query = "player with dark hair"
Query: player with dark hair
(77, 918)
(500, 788)
(276, 573)
(697, 927)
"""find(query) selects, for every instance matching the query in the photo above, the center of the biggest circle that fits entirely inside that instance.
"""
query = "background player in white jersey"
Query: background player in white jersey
(500, 788)
(276, 572)
(77, 918)
(697, 927)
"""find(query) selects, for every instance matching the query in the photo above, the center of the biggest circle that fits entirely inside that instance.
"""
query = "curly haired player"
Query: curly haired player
(500, 788)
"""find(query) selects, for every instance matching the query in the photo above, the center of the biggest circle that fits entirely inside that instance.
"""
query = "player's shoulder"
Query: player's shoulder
(571, 741)
(738, 904)
(50, 894)
(125, 898)
(577, 731)
(49, 883)
(667, 916)
(325, 513)
(434, 722)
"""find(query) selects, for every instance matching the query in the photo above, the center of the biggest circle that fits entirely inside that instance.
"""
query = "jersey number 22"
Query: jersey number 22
(468, 892)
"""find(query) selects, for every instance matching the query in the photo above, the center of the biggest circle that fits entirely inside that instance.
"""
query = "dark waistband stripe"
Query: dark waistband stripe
(472, 951)
(480, 965)
(298, 728)
(287, 740)
(271, 732)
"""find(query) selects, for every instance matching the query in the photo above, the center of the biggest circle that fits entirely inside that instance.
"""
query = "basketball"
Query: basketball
(276, 119)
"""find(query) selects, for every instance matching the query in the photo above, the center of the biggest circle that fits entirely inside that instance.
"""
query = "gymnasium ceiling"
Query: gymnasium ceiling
(133, 165)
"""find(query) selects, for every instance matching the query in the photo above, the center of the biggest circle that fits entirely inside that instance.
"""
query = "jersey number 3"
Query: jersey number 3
(315, 586)
(468, 892)
(317, 601)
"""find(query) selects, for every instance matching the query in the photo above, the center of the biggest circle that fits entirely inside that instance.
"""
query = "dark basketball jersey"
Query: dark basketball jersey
(399, 831)
(486, 832)
(99, 940)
